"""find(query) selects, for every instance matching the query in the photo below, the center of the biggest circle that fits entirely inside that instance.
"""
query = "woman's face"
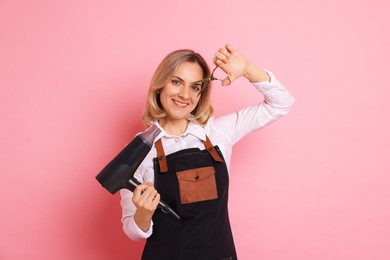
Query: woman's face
(180, 95)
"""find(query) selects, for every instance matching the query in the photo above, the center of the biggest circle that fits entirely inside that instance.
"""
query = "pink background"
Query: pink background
(74, 76)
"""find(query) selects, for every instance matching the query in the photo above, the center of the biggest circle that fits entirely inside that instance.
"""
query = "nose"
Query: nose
(184, 92)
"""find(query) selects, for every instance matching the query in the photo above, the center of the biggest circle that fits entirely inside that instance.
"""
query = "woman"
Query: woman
(192, 174)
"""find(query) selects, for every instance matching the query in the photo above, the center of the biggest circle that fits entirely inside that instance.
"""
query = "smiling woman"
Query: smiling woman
(165, 73)
(184, 168)
(180, 96)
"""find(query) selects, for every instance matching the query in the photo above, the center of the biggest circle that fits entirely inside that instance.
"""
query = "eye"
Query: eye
(176, 82)
(196, 87)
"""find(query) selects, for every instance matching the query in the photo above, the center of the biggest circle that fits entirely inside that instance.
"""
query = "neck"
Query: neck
(174, 127)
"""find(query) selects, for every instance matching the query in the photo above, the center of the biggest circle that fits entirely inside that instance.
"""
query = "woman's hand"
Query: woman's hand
(146, 199)
(236, 65)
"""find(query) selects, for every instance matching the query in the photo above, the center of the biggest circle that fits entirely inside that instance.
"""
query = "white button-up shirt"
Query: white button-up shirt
(224, 131)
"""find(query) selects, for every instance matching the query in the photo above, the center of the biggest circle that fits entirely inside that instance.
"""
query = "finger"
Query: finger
(155, 201)
(224, 51)
(227, 81)
(156, 197)
(146, 192)
(220, 56)
(141, 193)
(152, 195)
(218, 62)
(229, 48)
(147, 196)
(138, 191)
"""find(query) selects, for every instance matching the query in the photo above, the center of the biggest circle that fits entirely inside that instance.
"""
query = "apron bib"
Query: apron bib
(194, 183)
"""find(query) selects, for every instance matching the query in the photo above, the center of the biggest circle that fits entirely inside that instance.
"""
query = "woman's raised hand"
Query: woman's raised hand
(232, 63)
(235, 65)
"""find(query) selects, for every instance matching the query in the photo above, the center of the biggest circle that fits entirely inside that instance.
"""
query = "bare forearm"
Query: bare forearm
(255, 74)
(142, 223)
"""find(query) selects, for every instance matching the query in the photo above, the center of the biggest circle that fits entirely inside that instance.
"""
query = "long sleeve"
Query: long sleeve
(277, 102)
(130, 228)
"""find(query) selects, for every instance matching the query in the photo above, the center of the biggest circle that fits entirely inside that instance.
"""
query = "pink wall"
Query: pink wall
(73, 78)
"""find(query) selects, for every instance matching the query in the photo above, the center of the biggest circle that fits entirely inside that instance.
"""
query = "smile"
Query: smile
(180, 104)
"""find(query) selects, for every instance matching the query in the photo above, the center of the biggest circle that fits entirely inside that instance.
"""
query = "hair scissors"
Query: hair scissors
(205, 82)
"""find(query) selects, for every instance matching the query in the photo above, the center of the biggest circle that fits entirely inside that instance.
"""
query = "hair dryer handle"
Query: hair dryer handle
(161, 204)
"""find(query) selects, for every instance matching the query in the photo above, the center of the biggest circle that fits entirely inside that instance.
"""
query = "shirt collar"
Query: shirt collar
(192, 129)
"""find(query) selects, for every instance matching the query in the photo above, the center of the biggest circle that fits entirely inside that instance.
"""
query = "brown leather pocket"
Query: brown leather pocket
(197, 185)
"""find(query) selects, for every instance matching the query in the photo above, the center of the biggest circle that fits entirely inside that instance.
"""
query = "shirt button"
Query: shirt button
(177, 139)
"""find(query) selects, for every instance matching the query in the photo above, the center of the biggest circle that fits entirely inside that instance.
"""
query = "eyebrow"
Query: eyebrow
(198, 82)
(177, 77)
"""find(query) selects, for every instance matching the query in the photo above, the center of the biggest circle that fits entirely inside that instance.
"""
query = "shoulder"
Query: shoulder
(216, 132)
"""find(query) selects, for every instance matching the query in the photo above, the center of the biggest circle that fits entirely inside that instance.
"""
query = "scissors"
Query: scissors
(205, 82)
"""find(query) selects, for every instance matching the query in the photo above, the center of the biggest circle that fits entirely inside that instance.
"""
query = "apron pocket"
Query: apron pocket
(197, 185)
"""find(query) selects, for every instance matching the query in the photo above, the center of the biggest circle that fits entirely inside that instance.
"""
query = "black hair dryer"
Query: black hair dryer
(119, 173)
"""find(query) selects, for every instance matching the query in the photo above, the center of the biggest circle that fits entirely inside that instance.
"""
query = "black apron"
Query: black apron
(194, 183)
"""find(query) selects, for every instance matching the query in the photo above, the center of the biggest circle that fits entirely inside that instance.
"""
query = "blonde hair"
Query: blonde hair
(153, 108)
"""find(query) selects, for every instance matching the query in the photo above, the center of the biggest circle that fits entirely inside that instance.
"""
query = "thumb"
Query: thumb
(227, 81)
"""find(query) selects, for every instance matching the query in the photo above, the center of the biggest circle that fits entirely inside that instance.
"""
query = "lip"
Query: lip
(180, 104)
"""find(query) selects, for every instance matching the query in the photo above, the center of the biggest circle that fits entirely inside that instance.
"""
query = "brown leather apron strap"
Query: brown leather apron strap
(162, 160)
(211, 149)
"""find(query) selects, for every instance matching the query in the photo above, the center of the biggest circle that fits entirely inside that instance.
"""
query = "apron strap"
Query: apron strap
(162, 160)
(211, 149)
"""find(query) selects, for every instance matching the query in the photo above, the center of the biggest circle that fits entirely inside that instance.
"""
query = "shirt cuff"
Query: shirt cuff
(265, 86)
